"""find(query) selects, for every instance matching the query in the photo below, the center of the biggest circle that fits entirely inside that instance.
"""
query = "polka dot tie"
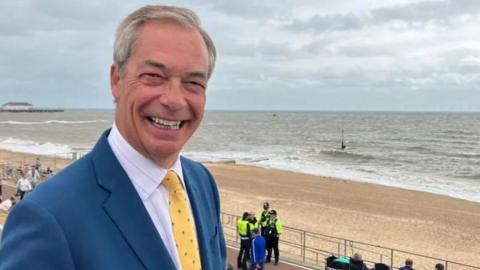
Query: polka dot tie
(182, 225)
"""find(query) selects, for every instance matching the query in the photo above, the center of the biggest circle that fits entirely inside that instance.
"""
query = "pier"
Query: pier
(32, 110)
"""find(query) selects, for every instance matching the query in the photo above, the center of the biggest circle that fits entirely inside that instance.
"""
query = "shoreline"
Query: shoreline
(418, 188)
(415, 221)
(350, 179)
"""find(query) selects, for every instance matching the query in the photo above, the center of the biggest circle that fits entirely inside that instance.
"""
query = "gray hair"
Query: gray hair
(127, 31)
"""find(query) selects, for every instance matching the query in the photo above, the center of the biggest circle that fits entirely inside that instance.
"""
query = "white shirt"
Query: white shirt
(147, 177)
(24, 185)
(35, 176)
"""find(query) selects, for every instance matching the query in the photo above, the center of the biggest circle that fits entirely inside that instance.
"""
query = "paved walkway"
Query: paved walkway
(7, 189)
(232, 259)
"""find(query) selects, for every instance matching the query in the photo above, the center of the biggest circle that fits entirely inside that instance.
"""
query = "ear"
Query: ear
(115, 82)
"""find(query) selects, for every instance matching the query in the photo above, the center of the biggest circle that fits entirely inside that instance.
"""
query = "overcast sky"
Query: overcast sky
(272, 55)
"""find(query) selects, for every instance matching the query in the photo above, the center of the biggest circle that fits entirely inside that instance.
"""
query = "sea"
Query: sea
(436, 152)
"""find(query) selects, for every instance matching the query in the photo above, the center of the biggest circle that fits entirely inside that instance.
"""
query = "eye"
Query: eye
(195, 85)
(152, 79)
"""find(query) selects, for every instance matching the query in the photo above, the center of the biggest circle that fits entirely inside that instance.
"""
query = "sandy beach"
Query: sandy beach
(412, 221)
(418, 222)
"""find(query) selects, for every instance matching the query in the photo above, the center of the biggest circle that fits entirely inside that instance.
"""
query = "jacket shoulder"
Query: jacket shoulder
(70, 186)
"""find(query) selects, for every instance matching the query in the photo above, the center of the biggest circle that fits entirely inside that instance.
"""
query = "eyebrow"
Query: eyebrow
(155, 64)
(163, 67)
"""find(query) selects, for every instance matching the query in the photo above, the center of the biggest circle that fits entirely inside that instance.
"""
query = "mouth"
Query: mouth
(166, 124)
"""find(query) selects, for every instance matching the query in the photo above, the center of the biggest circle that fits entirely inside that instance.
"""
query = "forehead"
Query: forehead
(172, 44)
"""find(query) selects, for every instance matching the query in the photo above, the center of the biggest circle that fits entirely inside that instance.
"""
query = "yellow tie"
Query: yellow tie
(182, 225)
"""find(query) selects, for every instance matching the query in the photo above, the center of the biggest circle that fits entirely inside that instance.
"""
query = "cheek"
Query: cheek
(139, 99)
(197, 103)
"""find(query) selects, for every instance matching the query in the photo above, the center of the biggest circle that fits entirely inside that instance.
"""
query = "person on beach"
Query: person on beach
(33, 176)
(408, 265)
(38, 164)
(133, 202)
(274, 230)
(23, 185)
(258, 250)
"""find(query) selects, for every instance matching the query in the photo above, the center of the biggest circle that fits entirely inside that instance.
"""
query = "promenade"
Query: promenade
(232, 259)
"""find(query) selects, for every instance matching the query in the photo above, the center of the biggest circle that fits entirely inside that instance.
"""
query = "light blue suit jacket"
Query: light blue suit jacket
(90, 217)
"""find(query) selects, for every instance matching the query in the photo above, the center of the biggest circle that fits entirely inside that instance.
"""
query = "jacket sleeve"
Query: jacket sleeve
(33, 239)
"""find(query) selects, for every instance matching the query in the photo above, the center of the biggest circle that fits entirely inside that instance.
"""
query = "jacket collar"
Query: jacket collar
(126, 209)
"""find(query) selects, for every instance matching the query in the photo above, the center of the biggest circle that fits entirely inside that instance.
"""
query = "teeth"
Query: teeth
(165, 123)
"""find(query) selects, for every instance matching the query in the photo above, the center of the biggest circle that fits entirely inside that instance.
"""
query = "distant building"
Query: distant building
(17, 106)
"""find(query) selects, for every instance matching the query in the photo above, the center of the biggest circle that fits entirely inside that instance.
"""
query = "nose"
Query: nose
(172, 95)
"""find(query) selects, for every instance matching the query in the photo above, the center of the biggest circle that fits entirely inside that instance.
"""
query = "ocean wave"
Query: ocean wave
(63, 122)
(420, 149)
(36, 148)
(462, 155)
(459, 132)
(347, 155)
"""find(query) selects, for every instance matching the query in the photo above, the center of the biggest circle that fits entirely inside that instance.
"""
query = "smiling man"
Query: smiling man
(133, 202)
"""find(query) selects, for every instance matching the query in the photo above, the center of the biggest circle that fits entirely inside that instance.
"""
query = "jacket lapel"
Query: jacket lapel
(127, 211)
(192, 184)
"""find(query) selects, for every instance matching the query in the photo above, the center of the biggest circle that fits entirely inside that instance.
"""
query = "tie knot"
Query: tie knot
(172, 182)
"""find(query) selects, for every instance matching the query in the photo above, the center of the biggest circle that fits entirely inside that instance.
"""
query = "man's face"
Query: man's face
(161, 96)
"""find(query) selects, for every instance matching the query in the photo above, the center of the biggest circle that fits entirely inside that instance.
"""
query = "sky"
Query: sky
(272, 54)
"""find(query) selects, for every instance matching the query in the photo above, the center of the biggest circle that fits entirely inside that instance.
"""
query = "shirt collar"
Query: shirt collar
(143, 172)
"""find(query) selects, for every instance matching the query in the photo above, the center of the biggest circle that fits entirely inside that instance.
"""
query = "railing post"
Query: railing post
(338, 252)
(446, 265)
(304, 235)
(391, 259)
(345, 248)
(236, 232)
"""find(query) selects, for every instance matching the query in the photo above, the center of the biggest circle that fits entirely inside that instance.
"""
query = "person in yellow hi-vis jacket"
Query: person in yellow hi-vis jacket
(263, 218)
(274, 230)
(243, 228)
(252, 220)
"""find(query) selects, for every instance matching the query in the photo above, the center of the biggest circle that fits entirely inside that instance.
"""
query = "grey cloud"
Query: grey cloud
(26, 19)
(276, 50)
(59, 52)
(330, 22)
(255, 9)
(412, 13)
(425, 11)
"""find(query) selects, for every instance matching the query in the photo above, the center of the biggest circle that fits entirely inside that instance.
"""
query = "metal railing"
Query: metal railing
(10, 171)
(310, 249)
